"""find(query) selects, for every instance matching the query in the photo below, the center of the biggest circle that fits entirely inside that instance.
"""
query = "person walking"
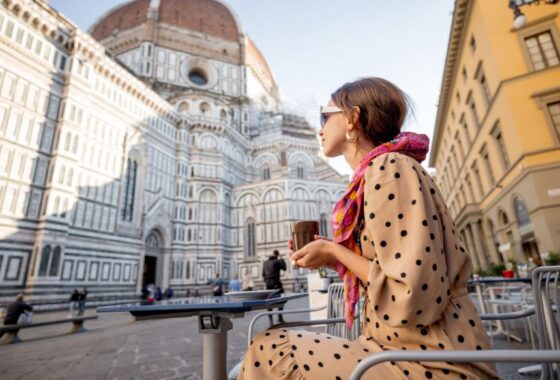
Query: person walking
(74, 303)
(168, 293)
(248, 283)
(82, 301)
(271, 276)
(218, 286)
(15, 310)
(158, 296)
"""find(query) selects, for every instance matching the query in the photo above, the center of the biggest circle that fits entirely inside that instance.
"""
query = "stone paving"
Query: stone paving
(117, 348)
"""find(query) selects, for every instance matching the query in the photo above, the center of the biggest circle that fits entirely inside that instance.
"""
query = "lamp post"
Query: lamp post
(519, 19)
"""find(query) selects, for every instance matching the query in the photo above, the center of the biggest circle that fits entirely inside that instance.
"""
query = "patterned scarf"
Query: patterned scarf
(348, 211)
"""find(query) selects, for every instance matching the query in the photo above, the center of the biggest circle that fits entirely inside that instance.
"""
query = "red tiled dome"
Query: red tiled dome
(203, 16)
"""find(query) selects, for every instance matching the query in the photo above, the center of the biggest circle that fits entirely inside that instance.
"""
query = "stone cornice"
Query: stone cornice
(461, 16)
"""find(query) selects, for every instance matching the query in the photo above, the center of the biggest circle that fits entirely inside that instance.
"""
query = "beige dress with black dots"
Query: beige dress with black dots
(415, 296)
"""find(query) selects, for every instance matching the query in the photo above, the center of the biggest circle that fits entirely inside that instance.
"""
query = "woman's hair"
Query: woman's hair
(383, 107)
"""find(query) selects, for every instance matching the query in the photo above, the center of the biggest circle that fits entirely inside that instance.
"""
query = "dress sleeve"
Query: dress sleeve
(407, 281)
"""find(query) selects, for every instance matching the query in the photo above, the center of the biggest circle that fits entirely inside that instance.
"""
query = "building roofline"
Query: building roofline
(461, 15)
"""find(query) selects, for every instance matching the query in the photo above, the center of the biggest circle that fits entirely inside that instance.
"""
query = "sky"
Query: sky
(315, 46)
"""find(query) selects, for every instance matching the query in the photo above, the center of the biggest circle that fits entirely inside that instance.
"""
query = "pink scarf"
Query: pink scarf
(348, 211)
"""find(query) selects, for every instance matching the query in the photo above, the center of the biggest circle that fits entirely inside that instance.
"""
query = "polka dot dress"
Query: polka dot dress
(415, 296)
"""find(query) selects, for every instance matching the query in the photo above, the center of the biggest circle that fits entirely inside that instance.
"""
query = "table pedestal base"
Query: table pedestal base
(214, 355)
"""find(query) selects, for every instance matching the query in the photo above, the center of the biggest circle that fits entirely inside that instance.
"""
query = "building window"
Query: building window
(542, 50)
(465, 76)
(55, 262)
(554, 110)
(250, 246)
(44, 263)
(472, 44)
(198, 77)
(266, 173)
(476, 172)
(463, 122)
(300, 172)
(483, 83)
(497, 133)
(129, 190)
(460, 145)
(49, 261)
(470, 188)
(486, 158)
(472, 106)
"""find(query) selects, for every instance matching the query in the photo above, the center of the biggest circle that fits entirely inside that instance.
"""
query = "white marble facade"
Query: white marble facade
(112, 177)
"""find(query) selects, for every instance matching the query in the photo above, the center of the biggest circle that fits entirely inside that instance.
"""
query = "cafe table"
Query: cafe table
(214, 321)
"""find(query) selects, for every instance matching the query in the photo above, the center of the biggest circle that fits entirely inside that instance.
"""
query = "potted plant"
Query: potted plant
(552, 259)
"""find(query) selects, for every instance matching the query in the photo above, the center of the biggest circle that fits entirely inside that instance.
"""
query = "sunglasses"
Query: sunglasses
(325, 112)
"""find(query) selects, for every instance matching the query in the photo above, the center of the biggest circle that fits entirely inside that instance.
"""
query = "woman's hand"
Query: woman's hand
(316, 254)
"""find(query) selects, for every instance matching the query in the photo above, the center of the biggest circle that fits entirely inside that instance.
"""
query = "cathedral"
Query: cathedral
(152, 149)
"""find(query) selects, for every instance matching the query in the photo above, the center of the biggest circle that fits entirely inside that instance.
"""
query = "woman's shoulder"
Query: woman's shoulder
(389, 163)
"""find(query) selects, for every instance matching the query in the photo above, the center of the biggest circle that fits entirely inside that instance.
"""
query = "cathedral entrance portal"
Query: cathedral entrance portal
(149, 275)
(152, 266)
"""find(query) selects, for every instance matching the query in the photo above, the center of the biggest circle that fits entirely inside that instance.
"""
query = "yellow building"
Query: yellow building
(496, 144)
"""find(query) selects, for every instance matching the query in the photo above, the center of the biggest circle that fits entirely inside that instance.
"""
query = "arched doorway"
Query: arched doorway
(152, 255)
(526, 232)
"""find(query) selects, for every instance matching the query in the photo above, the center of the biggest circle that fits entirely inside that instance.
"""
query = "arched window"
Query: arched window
(300, 172)
(70, 177)
(152, 241)
(75, 145)
(62, 212)
(266, 173)
(188, 269)
(56, 205)
(44, 263)
(204, 107)
(250, 242)
(129, 190)
(55, 262)
(504, 218)
(67, 142)
(61, 174)
(521, 213)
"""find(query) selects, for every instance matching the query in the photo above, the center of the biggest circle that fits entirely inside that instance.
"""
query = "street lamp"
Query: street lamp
(519, 19)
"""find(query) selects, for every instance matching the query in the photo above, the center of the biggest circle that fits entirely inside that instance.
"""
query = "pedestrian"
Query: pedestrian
(248, 283)
(15, 310)
(271, 276)
(158, 296)
(234, 284)
(74, 303)
(168, 293)
(217, 285)
(82, 301)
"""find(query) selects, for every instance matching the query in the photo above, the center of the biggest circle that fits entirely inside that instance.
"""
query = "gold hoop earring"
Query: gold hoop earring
(351, 138)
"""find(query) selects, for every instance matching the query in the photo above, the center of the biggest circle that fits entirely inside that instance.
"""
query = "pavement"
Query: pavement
(116, 347)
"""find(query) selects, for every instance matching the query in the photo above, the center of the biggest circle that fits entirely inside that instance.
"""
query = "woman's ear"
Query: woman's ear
(356, 116)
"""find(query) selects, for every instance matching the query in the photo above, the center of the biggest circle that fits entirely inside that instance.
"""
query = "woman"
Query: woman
(248, 283)
(394, 242)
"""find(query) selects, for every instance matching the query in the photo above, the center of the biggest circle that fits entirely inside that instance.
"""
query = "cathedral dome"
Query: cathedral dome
(209, 17)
